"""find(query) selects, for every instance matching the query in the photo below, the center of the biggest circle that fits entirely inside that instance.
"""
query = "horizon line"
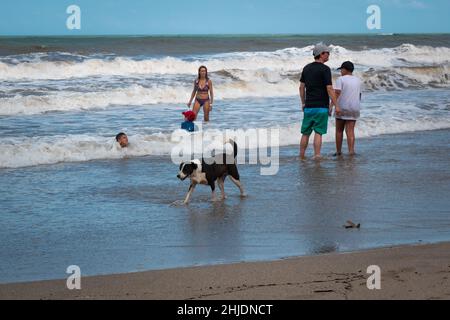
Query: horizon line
(226, 34)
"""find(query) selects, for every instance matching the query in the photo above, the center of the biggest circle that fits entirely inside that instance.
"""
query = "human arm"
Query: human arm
(302, 91)
(333, 98)
(194, 91)
(338, 94)
(211, 91)
(333, 91)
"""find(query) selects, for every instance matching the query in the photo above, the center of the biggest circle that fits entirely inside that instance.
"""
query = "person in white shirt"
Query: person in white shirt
(348, 91)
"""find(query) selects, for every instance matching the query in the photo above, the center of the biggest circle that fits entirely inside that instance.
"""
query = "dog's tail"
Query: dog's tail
(235, 146)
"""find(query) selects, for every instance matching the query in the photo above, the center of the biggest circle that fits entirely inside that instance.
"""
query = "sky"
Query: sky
(173, 17)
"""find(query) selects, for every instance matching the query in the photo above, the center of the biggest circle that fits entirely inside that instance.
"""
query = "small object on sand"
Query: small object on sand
(351, 225)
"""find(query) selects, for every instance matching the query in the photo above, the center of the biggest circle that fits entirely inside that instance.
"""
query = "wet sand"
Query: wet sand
(407, 272)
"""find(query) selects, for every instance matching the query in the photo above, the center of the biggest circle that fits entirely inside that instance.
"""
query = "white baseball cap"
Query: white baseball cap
(320, 48)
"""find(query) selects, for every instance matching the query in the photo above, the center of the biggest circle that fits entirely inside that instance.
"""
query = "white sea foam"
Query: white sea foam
(290, 59)
(137, 95)
(26, 151)
(260, 83)
(87, 83)
(236, 75)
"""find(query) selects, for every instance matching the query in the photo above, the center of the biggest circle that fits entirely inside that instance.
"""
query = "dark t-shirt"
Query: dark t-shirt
(316, 76)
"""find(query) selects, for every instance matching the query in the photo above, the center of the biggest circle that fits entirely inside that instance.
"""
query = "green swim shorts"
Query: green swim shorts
(315, 119)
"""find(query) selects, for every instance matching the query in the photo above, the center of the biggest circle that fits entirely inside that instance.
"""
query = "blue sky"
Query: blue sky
(98, 17)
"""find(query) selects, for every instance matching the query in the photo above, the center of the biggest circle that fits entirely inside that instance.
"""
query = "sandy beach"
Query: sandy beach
(407, 272)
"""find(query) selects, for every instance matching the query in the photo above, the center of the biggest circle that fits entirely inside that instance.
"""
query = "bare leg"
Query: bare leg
(350, 132)
(220, 181)
(239, 185)
(317, 145)
(340, 125)
(191, 189)
(303, 145)
(213, 187)
(196, 108)
(206, 111)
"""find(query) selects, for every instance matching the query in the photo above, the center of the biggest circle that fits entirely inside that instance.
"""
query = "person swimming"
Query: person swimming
(122, 139)
(203, 93)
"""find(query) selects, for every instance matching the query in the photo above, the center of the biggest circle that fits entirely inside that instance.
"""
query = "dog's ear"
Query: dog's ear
(181, 165)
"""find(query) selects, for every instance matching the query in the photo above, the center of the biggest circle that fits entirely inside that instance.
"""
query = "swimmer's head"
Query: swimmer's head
(122, 139)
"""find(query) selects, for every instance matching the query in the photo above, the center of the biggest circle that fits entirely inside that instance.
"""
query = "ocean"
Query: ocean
(66, 184)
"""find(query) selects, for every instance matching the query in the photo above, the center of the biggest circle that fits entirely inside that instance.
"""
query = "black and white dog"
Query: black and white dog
(207, 172)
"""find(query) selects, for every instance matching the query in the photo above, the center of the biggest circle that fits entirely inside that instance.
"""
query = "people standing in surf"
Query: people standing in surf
(203, 93)
(348, 93)
(315, 91)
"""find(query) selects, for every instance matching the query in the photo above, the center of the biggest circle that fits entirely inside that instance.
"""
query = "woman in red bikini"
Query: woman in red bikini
(203, 93)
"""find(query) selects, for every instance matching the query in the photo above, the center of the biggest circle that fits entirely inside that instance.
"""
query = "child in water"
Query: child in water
(188, 124)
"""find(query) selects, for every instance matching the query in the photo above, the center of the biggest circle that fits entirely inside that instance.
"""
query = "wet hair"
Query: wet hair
(120, 135)
(199, 69)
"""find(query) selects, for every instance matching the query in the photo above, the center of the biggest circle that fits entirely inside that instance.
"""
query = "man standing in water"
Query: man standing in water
(316, 88)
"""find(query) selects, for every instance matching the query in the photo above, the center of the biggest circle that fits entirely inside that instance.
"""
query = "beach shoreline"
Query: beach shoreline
(165, 237)
(407, 272)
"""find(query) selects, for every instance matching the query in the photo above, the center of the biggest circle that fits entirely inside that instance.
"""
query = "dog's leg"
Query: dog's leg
(191, 189)
(220, 181)
(239, 185)
(213, 188)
